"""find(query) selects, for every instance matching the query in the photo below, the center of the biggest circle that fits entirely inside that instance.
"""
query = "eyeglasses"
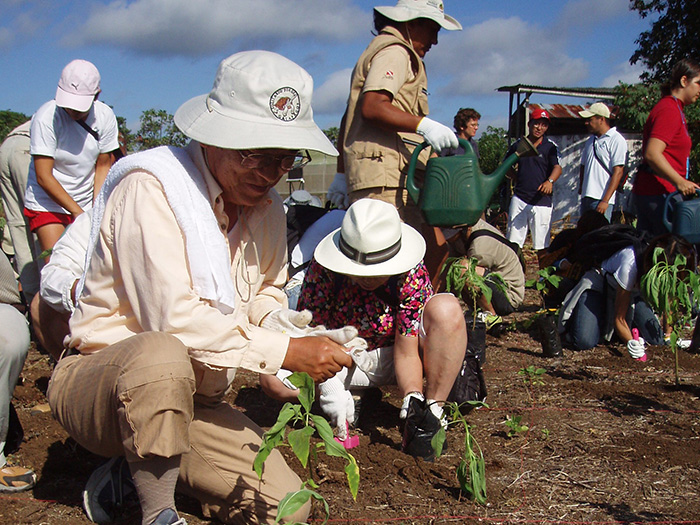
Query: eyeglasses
(259, 161)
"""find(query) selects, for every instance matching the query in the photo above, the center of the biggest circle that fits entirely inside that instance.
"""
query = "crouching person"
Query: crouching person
(187, 255)
(369, 274)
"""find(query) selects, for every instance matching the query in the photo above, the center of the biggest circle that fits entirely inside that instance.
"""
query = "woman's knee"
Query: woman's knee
(443, 312)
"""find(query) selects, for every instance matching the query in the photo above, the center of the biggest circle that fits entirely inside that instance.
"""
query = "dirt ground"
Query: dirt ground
(609, 440)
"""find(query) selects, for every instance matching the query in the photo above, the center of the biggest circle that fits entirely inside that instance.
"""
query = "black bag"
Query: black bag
(470, 384)
(598, 245)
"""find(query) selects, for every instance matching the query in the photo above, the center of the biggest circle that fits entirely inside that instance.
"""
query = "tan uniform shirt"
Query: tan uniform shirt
(138, 278)
(376, 158)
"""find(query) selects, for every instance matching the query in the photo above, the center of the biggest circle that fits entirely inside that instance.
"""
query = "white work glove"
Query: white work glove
(371, 366)
(437, 135)
(338, 192)
(290, 322)
(342, 336)
(283, 375)
(337, 403)
(636, 348)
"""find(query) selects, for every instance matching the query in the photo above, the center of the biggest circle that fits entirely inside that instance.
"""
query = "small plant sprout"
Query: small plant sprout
(515, 426)
(471, 472)
(545, 280)
(671, 289)
(463, 280)
(532, 376)
(545, 433)
(300, 442)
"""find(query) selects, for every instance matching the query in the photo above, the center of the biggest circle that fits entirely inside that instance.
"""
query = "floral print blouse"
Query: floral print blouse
(395, 307)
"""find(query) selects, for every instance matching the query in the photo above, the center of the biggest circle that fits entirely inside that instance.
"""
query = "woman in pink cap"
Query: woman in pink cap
(72, 140)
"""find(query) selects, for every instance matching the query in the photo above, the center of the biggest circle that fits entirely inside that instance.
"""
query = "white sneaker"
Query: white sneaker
(406, 400)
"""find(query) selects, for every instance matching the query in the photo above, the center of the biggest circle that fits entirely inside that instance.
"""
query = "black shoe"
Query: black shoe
(421, 426)
(109, 491)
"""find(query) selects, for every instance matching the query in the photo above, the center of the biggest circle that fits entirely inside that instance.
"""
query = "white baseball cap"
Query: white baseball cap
(79, 83)
(596, 109)
(259, 100)
(406, 10)
(371, 242)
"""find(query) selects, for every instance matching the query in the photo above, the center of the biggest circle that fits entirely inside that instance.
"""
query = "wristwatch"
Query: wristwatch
(550, 181)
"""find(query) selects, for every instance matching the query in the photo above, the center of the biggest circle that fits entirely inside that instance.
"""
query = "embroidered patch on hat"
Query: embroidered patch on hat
(285, 104)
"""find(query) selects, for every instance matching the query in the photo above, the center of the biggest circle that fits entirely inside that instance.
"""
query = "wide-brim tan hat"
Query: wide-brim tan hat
(406, 10)
(371, 242)
(259, 100)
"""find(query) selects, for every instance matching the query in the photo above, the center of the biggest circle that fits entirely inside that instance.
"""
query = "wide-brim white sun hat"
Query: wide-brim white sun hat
(406, 10)
(259, 100)
(371, 242)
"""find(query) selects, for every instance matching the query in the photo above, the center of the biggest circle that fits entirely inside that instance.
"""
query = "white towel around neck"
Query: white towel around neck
(207, 251)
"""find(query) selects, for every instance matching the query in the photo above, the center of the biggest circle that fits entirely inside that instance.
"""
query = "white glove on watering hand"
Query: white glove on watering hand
(437, 135)
(290, 322)
(636, 348)
(337, 404)
(338, 192)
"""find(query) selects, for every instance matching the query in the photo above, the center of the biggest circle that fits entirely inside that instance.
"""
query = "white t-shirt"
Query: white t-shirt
(623, 267)
(612, 151)
(55, 134)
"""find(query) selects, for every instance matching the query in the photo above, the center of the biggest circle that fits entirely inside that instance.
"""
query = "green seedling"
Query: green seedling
(545, 280)
(306, 425)
(515, 426)
(671, 288)
(463, 280)
(471, 472)
(545, 433)
(532, 376)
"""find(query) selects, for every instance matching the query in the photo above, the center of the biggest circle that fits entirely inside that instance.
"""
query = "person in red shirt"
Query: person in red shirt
(666, 148)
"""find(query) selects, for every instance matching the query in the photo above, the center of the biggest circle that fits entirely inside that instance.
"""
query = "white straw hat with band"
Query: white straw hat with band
(406, 10)
(371, 242)
(259, 100)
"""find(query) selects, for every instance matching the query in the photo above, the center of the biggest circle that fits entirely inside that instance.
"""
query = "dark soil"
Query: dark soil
(609, 440)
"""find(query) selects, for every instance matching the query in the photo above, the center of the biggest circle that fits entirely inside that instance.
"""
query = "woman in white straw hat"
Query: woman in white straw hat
(369, 274)
(386, 115)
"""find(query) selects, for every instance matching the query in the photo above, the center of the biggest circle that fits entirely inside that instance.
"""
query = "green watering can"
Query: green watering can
(455, 192)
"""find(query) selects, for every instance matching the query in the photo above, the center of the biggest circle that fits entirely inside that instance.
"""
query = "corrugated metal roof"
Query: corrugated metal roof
(588, 92)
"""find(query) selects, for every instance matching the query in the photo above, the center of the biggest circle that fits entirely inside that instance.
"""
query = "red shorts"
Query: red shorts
(42, 218)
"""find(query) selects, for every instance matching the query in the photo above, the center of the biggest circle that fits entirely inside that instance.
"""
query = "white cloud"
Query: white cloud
(194, 28)
(505, 51)
(332, 95)
(623, 72)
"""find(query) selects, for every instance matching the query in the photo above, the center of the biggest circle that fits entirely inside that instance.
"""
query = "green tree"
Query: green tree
(158, 129)
(9, 120)
(492, 148)
(127, 137)
(332, 134)
(674, 35)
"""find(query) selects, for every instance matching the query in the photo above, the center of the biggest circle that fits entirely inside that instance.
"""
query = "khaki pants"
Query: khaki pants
(136, 398)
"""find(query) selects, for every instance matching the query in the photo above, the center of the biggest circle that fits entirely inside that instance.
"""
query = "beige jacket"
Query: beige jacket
(375, 157)
(138, 278)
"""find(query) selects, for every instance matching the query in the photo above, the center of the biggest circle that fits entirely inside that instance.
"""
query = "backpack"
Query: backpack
(598, 245)
(299, 218)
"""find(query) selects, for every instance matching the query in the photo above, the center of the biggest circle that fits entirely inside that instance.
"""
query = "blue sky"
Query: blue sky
(160, 53)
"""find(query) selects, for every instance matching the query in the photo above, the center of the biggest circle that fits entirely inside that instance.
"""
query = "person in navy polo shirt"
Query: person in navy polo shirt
(534, 177)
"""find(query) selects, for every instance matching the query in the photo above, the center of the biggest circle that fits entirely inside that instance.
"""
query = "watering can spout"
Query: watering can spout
(455, 191)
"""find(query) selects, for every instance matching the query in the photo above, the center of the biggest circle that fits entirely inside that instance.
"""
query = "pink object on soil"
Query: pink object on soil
(643, 359)
(350, 441)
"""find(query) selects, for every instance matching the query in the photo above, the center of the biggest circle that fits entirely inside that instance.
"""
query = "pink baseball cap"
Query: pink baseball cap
(80, 82)
(538, 114)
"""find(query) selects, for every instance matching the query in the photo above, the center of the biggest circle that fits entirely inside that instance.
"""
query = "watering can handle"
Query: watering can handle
(413, 190)
(668, 208)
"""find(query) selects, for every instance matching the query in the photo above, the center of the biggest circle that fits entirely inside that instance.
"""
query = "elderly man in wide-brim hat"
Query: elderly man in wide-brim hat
(187, 259)
(386, 115)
